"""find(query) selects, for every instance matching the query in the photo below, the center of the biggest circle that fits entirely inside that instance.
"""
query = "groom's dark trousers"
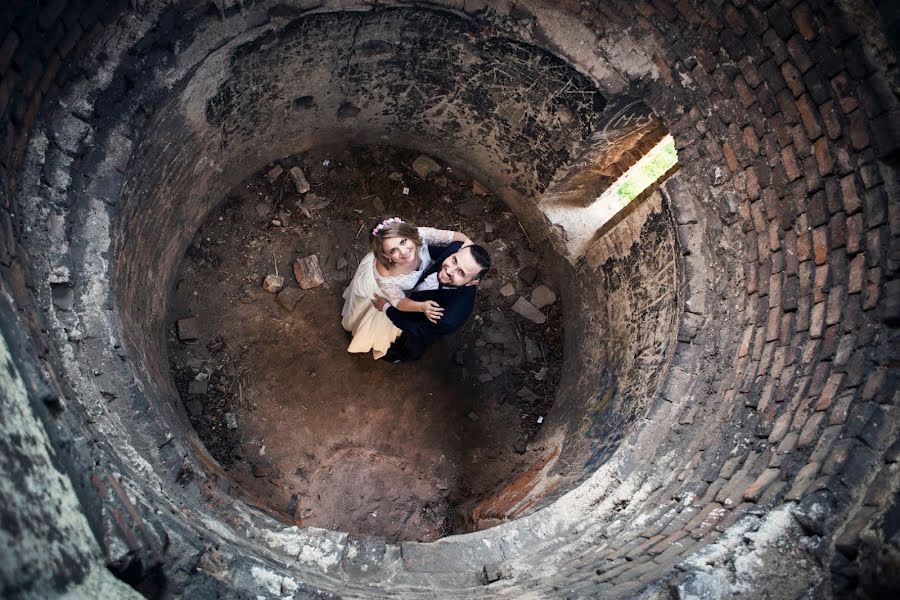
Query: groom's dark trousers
(418, 332)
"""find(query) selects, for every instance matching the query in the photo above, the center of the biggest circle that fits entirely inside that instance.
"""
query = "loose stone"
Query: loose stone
(507, 290)
(273, 283)
(308, 273)
(188, 329)
(526, 309)
(300, 181)
(274, 173)
(288, 298)
(231, 420)
(528, 274)
(542, 296)
(425, 166)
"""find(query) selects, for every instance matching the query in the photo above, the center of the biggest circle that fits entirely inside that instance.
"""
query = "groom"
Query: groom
(451, 281)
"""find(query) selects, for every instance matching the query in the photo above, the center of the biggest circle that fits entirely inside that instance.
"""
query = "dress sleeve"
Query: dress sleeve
(393, 293)
(439, 237)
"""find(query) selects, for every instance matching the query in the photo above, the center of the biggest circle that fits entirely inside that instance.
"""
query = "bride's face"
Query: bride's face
(400, 250)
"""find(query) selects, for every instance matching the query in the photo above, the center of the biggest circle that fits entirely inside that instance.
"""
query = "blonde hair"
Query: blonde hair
(391, 230)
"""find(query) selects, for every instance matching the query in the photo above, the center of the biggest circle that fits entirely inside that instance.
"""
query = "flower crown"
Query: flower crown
(384, 223)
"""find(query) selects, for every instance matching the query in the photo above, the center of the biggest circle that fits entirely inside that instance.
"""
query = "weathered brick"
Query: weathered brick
(839, 411)
(803, 480)
(789, 160)
(820, 244)
(857, 273)
(810, 430)
(876, 206)
(845, 93)
(874, 384)
(809, 116)
(824, 161)
(854, 233)
(849, 195)
(857, 130)
(759, 485)
(837, 231)
(817, 320)
(874, 245)
(796, 49)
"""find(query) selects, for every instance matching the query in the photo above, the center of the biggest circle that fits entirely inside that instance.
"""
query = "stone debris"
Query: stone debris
(274, 173)
(231, 420)
(308, 273)
(288, 298)
(473, 416)
(378, 204)
(395, 176)
(194, 408)
(300, 181)
(315, 202)
(542, 296)
(341, 263)
(507, 290)
(528, 274)
(273, 283)
(262, 469)
(528, 310)
(479, 189)
(485, 378)
(262, 209)
(425, 166)
(188, 329)
(198, 388)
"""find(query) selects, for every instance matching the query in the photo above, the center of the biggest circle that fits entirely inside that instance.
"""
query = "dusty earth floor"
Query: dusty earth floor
(337, 440)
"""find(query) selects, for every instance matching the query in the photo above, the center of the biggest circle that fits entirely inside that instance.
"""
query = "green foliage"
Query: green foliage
(659, 160)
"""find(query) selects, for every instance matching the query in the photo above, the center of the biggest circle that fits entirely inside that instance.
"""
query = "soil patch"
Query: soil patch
(338, 440)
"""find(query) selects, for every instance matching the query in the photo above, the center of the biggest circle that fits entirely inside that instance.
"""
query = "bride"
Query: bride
(399, 256)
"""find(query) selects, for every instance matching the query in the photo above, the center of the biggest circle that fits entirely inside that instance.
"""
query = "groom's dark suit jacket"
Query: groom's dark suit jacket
(418, 331)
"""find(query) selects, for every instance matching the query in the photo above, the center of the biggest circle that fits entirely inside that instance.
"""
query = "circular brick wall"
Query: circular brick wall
(733, 416)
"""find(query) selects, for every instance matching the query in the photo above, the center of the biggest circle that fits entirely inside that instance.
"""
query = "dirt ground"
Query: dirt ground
(337, 440)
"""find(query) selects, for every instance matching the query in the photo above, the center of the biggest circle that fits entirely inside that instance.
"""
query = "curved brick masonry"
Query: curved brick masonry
(728, 406)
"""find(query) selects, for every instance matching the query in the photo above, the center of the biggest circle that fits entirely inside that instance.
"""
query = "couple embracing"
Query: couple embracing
(416, 285)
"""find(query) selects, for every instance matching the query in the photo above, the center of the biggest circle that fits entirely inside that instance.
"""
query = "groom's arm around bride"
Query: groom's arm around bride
(451, 281)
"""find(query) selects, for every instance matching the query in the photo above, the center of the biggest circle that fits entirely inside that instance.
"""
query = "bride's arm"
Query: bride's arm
(442, 237)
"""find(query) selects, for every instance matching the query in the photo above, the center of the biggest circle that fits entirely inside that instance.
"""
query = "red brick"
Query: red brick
(837, 233)
(804, 21)
(857, 274)
(730, 158)
(824, 162)
(793, 78)
(801, 140)
(849, 194)
(752, 183)
(874, 240)
(755, 489)
(858, 130)
(744, 93)
(821, 283)
(854, 233)
(830, 120)
(773, 324)
(789, 160)
(817, 320)
(809, 116)
(804, 242)
(836, 298)
(844, 93)
(796, 48)
(820, 244)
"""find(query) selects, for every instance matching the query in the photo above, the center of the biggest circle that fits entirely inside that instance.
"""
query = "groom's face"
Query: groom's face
(459, 269)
